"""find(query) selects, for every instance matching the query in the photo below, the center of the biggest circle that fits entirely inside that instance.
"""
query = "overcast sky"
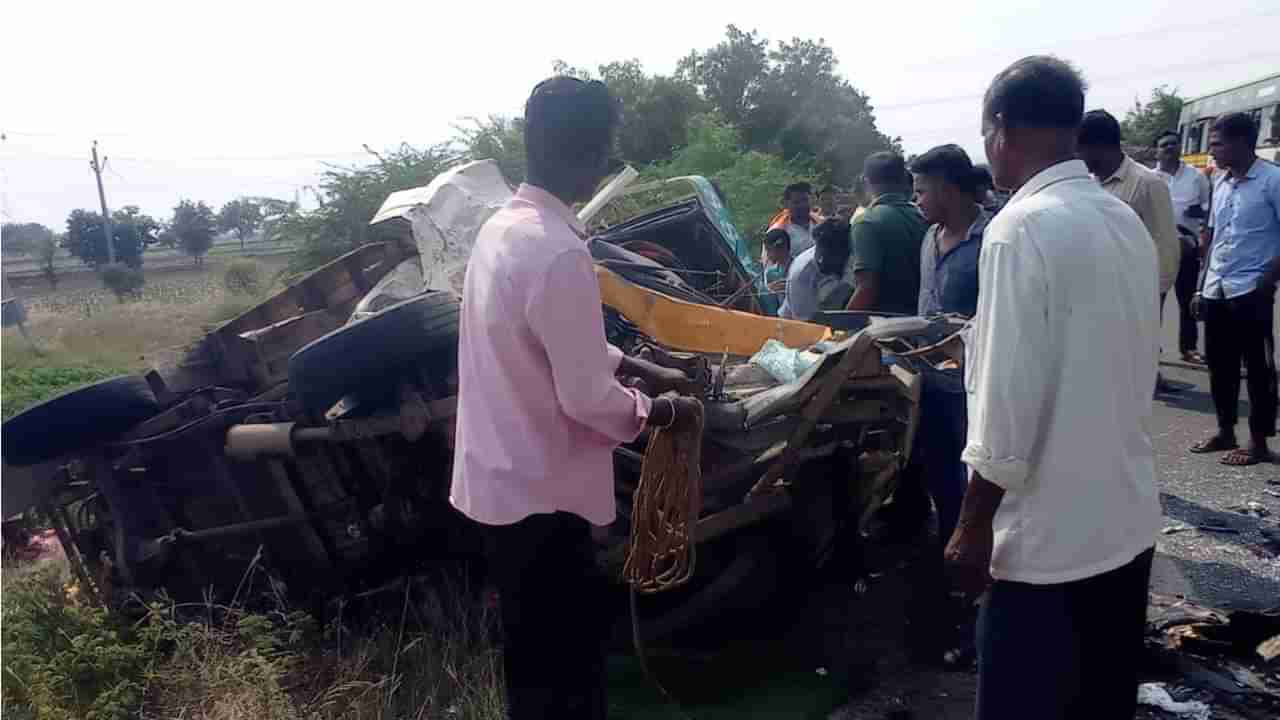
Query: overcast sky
(216, 101)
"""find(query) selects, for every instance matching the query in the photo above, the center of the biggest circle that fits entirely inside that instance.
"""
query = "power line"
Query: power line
(1095, 39)
(1094, 82)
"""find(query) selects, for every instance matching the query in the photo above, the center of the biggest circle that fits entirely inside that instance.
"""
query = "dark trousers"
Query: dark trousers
(553, 617)
(1065, 651)
(1185, 288)
(936, 468)
(1242, 328)
(939, 441)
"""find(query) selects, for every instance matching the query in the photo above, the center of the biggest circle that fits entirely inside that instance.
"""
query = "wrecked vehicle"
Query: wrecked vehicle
(312, 436)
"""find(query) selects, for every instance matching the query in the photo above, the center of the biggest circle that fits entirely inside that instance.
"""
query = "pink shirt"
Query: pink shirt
(539, 408)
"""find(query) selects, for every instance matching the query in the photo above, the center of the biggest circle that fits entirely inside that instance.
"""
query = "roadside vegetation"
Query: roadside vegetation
(66, 658)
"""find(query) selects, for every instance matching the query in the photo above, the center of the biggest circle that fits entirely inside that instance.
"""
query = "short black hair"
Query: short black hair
(1099, 128)
(951, 163)
(1237, 126)
(568, 124)
(777, 237)
(1040, 91)
(832, 245)
(885, 168)
(982, 177)
(1166, 134)
(797, 187)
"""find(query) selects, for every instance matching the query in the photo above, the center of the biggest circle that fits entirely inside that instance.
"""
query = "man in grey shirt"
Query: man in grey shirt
(814, 282)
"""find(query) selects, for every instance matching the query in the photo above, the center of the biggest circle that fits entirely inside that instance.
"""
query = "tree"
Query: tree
(86, 236)
(194, 225)
(1145, 121)
(350, 196)
(750, 180)
(498, 138)
(46, 254)
(145, 225)
(24, 238)
(656, 109)
(242, 217)
(790, 101)
(729, 74)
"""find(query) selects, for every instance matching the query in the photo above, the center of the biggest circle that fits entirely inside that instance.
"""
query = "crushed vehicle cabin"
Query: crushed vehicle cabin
(312, 435)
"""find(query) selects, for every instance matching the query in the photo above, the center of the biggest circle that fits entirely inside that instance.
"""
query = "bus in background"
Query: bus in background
(1260, 98)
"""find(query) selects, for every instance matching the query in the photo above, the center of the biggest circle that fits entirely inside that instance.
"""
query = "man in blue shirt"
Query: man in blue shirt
(946, 190)
(945, 186)
(1237, 289)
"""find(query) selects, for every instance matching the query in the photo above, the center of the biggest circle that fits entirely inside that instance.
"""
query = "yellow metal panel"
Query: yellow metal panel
(701, 328)
(1197, 160)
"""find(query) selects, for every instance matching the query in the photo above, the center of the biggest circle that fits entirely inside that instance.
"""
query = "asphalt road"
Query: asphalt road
(1216, 568)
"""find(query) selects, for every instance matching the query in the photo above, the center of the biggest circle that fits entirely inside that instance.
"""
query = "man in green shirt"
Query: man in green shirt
(884, 265)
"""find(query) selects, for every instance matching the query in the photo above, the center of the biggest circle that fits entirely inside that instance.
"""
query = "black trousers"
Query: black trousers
(1066, 651)
(552, 599)
(1242, 328)
(1184, 287)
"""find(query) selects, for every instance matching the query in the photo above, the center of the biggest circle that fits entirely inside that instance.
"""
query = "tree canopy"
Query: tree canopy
(1145, 121)
(132, 229)
(195, 226)
(24, 238)
(751, 116)
(789, 101)
(242, 217)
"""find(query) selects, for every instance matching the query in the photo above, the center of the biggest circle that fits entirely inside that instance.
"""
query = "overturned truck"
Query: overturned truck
(312, 436)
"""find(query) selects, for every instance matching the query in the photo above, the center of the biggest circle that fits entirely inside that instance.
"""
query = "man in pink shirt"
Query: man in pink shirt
(540, 408)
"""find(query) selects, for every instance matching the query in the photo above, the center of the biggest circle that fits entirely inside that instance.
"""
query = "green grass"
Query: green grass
(21, 387)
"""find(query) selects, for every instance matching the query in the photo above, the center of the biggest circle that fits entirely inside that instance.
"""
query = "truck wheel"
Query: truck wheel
(76, 419)
(371, 353)
(739, 577)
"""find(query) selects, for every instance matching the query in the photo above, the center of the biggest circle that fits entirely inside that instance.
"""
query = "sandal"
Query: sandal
(1193, 357)
(1217, 443)
(1241, 457)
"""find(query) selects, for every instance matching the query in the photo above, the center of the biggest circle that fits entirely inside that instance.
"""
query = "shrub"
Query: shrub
(64, 658)
(243, 277)
(125, 282)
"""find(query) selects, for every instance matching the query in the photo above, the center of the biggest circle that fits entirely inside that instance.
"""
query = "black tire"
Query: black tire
(372, 353)
(77, 419)
(736, 578)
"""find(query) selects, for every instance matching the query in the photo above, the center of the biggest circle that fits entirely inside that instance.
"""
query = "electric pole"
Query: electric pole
(102, 198)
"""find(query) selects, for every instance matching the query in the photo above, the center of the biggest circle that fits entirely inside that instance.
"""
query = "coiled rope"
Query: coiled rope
(665, 508)
(664, 512)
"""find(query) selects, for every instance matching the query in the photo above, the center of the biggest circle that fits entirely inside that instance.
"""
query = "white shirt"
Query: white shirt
(1188, 188)
(801, 238)
(1061, 362)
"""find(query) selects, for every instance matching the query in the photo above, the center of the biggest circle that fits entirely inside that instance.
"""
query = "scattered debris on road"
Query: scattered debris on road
(1228, 653)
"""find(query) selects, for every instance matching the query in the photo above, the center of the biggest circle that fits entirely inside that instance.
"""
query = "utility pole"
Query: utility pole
(102, 198)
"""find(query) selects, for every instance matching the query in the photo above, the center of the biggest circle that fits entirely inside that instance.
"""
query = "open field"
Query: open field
(81, 333)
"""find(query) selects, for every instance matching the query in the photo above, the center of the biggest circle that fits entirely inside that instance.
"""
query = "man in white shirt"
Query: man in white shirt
(1189, 189)
(1059, 521)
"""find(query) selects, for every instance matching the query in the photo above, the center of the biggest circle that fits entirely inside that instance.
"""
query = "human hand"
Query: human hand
(666, 379)
(1197, 307)
(686, 410)
(968, 559)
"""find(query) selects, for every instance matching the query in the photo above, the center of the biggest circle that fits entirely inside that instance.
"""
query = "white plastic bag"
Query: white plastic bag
(785, 364)
(1155, 695)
